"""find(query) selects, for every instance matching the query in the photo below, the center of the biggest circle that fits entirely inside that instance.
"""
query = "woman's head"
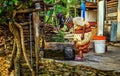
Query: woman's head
(79, 21)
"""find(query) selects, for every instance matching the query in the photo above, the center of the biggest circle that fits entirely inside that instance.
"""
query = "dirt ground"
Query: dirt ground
(109, 60)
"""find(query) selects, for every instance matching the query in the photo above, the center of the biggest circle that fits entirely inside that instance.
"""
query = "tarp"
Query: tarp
(83, 9)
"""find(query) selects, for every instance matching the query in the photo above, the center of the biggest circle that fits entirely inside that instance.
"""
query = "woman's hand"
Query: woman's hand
(82, 37)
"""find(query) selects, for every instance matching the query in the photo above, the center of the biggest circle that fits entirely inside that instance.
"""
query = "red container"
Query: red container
(99, 38)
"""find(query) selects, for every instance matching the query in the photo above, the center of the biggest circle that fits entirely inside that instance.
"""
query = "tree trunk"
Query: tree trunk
(17, 58)
(12, 58)
(15, 32)
(23, 46)
(36, 22)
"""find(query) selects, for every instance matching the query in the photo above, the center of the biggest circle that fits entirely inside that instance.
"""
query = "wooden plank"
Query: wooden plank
(26, 28)
(112, 10)
(112, 1)
(112, 14)
(57, 45)
(111, 18)
(29, 33)
(26, 31)
(91, 6)
(112, 6)
(25, 23)
(28, 38)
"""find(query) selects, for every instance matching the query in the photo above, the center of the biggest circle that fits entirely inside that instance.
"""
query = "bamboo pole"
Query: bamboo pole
(75, 9)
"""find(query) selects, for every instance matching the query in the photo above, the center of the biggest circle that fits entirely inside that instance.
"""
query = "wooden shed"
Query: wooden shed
(91, 15)
(112, 20)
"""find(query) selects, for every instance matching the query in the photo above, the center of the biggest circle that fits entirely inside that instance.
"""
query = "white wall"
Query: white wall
(91, 15)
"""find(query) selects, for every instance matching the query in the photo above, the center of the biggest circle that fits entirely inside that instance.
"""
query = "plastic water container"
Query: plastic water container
(100, 44)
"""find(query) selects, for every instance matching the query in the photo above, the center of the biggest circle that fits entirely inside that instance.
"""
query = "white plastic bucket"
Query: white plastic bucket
(100, 44)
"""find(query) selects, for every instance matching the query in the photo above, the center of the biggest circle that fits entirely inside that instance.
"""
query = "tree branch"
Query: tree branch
(25, 10)
(57, 2)
(53, 3)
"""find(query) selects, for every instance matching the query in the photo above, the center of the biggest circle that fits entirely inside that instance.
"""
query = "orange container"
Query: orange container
(99, 38)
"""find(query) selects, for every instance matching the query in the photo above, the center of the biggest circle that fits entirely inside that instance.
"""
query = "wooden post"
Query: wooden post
(36, 22)
(100, 17)
(118, 26)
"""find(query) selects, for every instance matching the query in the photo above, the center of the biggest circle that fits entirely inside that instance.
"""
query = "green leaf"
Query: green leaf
(4, 4)
(10, 2)
(16, 2)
